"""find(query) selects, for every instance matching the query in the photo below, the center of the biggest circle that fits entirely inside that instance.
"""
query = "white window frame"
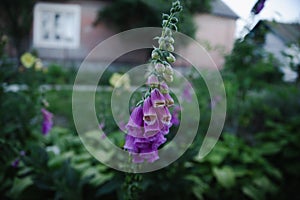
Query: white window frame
(63, 22)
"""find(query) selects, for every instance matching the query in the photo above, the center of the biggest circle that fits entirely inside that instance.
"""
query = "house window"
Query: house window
(56, 25)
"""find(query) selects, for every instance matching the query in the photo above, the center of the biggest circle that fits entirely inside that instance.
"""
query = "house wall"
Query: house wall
(276, 46)
(90, 35)
(216, 35)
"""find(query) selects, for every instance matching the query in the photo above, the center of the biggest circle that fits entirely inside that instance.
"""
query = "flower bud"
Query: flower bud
(164, 88)
(172, 10)
(168, 32)
(169, 70)
(155, 54)
(161, 40)
(171, 58)
(169, 47)
(168, 77)
(162, 45)
(176, 3)
(169, 100)
(153, 81)
(160, 68)
(169, 39)
(174, 19)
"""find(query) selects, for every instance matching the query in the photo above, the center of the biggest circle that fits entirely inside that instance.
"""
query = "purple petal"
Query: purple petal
(169, 100)
(151, 129)
(15, 163)
(157, 98)
(136, 123)
(141, 157)
(136, 158)
(129, 143)
(164, 115)
(164, 88)
(160, 139)
(149, 112)
(175, 119)
(175, 116)
(135, 131)
(136, 117)
(151, 157)
(47, 121)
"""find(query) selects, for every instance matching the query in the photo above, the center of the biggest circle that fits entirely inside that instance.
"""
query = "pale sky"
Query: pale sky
(279, 10)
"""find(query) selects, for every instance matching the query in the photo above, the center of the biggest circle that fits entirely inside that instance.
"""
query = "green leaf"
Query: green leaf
(81, 166)
(218, 154)
(265, 184)
(225, 176)
(240, 171)
(81, 158)
(269, 148)
(107, 188)
(19, 186)
(199, 186)
(252, 192)
(98, 178)
(59, 159)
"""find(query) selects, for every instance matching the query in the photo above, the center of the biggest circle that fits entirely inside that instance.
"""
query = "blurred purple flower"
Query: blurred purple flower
(257, 8)
(187, 94)
(215, 100)
(101, 127)
(175, 116)
(15, 163)
(22, 153)
(47, 121)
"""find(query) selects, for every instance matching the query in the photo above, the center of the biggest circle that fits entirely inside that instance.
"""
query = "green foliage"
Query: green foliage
(140, 13)
(58, 167)
(264, 112)
(58, 74)
(252, 66)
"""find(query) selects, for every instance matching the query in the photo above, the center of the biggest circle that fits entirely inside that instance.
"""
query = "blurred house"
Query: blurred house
(283, 41)
(65, 32)
(215, 33)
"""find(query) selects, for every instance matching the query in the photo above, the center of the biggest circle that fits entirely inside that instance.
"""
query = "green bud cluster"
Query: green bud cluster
(162, 56)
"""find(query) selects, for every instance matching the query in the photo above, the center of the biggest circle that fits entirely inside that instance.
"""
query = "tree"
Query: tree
(127, 14)
(16, 20)
(252, 66)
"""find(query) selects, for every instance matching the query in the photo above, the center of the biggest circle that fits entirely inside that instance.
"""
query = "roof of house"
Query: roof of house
(288, 33)
(219, 8)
